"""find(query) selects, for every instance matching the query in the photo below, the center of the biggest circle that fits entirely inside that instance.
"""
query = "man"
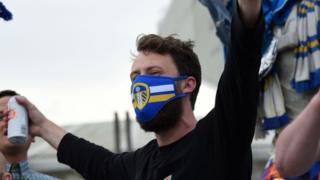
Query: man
(166, 78)
(298, 146)
(17, 165)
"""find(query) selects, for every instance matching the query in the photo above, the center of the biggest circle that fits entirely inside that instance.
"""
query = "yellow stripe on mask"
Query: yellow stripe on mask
(160, 98)
(135, 104)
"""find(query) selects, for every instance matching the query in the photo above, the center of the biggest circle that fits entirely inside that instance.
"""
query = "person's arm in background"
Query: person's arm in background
(298, 145)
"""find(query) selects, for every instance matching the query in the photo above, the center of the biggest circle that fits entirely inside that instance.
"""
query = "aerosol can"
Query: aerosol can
(18, 123)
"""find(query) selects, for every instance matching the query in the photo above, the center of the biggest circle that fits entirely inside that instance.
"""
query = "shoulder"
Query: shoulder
(146, 151)
(151, 146)
(203, 122)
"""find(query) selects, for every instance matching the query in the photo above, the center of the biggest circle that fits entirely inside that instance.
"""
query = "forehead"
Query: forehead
(147, 60)
(4, 102)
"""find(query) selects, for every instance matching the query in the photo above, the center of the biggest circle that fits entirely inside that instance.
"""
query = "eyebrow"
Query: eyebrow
(148, 69)
(154, 67)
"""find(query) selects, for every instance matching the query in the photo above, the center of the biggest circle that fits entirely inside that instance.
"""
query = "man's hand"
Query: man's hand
(249, 11)
(37, 119)
(39, 124)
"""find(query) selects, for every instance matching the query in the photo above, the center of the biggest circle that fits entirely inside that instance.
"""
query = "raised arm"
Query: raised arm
(238, 89)
(298, 146)
(231, 123)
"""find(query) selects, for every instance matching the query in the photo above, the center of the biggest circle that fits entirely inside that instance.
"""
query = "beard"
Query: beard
(167, 118)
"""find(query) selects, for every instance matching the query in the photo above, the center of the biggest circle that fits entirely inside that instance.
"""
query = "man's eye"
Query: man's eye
(1, 117)
(155, 73)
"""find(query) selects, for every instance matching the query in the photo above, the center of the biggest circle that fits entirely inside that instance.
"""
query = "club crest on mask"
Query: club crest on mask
(141, 95)
(151, 93)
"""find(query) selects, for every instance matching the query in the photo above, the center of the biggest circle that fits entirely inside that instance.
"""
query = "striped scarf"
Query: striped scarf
(307, 72)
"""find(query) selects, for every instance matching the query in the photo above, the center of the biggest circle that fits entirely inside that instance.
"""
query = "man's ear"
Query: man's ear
(189, 84)
(7, 176)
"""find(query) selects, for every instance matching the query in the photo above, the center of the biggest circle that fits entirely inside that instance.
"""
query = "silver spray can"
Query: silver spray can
(18, 123)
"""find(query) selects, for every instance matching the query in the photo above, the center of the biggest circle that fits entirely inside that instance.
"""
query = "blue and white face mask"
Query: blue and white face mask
(151, 93)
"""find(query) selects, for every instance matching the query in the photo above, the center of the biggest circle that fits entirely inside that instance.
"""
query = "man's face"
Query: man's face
(158, 65)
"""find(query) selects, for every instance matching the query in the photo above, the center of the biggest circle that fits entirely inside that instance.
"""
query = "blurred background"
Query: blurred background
(72, 59)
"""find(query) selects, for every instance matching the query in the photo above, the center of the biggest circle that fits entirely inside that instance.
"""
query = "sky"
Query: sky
(72, 58)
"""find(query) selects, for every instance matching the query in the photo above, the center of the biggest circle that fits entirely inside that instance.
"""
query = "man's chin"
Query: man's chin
(166, 119)
(153, 128)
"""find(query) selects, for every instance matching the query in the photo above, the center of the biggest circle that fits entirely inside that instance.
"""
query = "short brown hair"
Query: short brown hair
(185, 59)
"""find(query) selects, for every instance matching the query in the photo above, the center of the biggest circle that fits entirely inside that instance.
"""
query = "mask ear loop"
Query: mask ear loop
(179, 78)
(178, 94)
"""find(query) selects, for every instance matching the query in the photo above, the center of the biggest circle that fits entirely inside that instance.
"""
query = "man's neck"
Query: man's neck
(15, 159)
(186, 124)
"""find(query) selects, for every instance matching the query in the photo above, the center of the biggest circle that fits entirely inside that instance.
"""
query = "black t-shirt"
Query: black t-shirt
(219, 148)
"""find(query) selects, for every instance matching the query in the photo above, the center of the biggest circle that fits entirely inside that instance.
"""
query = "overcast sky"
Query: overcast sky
(72, 57)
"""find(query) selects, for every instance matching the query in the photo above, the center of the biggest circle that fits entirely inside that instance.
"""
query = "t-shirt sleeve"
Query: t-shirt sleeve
(234, 115)
(93, 161)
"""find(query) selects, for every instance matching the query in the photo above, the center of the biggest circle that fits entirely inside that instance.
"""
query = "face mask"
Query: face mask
(151, 93)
